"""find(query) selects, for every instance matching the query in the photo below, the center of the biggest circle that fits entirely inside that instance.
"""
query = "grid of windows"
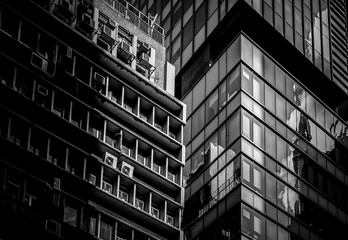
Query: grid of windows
(288, 145)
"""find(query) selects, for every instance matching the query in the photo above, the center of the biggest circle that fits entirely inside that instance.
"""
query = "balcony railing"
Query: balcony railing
(137, 18)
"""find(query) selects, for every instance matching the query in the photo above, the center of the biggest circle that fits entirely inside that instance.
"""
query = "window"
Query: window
(233, 126)
(155, 212)
(233, 81)
(70, 215)
(198, 120)
(246, 122)
(211, 106)
(106, 230)
(247, 80)
(258, 91)
(246, 172)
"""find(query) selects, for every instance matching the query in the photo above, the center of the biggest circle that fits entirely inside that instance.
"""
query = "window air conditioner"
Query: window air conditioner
(112, 24)
(107, 30)
(92, 179)
(155, 212)
(85, 3)
(87, 20)
(172, 135)
(139, 204)
(159, 126)
(42, 91)
(146, 46)
(170, 220)
(125, 46)
(56, 183)
(171, 176)
(127, 169)
(66, 4)
(144, 57)
(110, 160)
(99, 78)
(52, 226)
(123, 195)
(107, 187)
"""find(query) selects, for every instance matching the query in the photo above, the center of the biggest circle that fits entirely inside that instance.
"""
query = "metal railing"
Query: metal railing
(137, 18)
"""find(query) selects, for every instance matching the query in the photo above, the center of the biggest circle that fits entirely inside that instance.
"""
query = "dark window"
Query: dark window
(200, 17)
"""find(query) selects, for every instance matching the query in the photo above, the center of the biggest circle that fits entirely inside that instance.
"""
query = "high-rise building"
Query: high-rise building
(265, 84)
(91, 133)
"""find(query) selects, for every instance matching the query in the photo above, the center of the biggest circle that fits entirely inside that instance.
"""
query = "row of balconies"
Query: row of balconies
(26, 194)
(114, 175)
(113, 139)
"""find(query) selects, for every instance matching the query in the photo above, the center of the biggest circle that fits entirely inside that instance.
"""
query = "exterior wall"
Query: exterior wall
(89, 149)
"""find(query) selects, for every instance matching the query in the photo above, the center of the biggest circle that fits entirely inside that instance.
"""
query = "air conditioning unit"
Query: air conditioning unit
(127, 169)
(142, 159)
(112, 24)
(170, 220)
(172, 135)
(144, 57)
(42, 91)
(155, 212)
(123, 195)
(52, 226)
(171, 176)
(156, 168)
(92, 179)
(107, 187)
(110, 160)
(66, 4)
(125, 46)
(146, 46)
(99, 78)
(87, 20)
(107, 30)
(56, 183)
(159, 126)
(139, 204)
(85, 3)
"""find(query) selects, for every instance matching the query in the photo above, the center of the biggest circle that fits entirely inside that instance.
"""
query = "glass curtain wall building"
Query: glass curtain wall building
(91, 136)
(265, 84)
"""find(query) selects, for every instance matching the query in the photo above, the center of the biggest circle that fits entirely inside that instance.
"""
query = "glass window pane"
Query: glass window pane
(247, 51)
(246, 128)
(270, 99)
(280, 80)
(269, 70)
(270, 142)
(233, 81)
(258, 91)
(212, 78)
(233, 126)
(246, 172)
(197, 93)
(198, 120)
(222, 66)
(211, 106)
(280, 107)
(271, 229)
(233, 54)
(257, 60)
(247, 80)
(258, 133)
(222, 95)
